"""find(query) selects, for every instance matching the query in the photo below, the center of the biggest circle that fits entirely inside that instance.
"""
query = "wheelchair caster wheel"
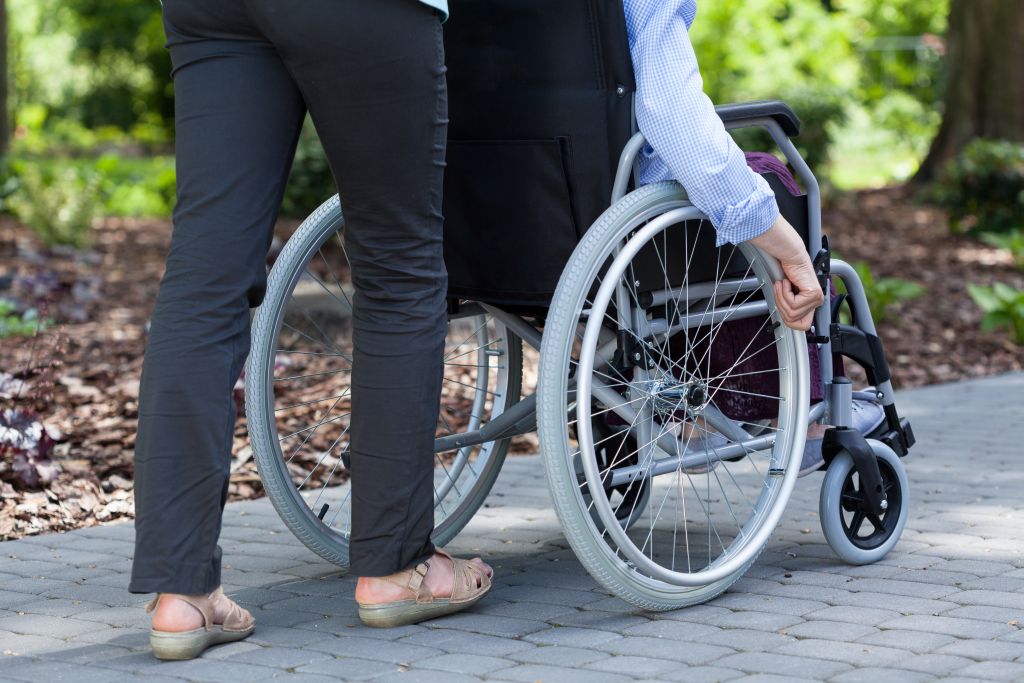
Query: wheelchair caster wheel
(855, 534)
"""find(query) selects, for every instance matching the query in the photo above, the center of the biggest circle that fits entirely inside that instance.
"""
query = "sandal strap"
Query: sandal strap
(412, 580)
(237, 619)
(470, 580)
(203, 603)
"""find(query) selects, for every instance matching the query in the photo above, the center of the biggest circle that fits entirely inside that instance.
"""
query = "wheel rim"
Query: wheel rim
(307, 395)
(658, 393)
(864, 529)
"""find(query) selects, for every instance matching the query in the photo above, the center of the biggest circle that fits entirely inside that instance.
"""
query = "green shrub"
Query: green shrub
(885, 293)
(9, 184)
(1012, 241)
(58, 204)
(984, 187)
(1003, 307)
(137, 187)
(310, 182)
(14, 324)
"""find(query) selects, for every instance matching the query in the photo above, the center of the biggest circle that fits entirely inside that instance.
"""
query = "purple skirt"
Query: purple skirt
(749, 393)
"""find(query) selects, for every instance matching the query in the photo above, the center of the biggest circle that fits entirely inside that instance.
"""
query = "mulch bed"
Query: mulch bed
(79, 378)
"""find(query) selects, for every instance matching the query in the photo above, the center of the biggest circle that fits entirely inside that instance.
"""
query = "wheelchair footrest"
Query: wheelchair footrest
(899, 440)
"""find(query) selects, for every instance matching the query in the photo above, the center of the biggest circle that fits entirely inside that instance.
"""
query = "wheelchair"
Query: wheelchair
(671, 404)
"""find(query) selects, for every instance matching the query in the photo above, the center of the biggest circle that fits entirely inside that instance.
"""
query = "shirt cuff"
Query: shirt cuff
(754, 216)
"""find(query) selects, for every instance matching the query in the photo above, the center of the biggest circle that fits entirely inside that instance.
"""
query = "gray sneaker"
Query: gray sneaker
(867, 415)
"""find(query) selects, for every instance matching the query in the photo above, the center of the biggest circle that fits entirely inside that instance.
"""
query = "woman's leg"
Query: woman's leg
(372, 75)
(237, 117)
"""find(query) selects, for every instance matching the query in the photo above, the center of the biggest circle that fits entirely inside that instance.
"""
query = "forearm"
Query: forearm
(783, 242)
(680, 124)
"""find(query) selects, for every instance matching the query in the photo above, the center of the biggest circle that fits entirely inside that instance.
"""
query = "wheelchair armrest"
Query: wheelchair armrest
(773, 109)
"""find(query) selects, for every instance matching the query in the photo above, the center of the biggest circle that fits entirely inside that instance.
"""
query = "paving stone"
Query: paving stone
(634, 666)
(746, 640)
(853, 615)
(557, 655)
(829, 630)
(678, 631)
(771, 678)
(875, 674)
(86, 653)
(59, 607)
(216, 671)
(782, 665)
(961, 628)
(607, 621)
(572, 637)
(915, 641)
(698, 674)
(42, 625)
(49, 671)
(448, 640)
(937, 665)
(905, 605)
(491, 625)
(548, 596)
(856, 654)
(529, 673)
(994, 671)
(690, 653)
(901, 588)
(765, 603)
(371, 648)
(984, 650)
(1010, 598)
(348, 669)
(987, 613)
(533, 611)
(464, 664)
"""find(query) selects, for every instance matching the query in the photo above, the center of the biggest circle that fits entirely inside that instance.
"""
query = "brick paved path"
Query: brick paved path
(947, 602)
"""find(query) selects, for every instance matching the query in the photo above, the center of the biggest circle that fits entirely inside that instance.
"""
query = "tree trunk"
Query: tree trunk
(985, 79)
(5, 117)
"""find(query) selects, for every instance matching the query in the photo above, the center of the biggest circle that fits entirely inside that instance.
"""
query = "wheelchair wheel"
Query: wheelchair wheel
(629, 500)
(856, 535)
(298, 394)
(635, 334)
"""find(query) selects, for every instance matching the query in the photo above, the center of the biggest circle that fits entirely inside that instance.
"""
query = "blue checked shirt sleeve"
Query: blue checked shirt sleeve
(686, 139)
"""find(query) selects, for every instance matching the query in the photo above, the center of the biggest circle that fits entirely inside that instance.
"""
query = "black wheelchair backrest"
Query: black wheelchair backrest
(540, 107)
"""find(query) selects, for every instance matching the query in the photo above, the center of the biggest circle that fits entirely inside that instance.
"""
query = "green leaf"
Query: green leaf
(984, 297)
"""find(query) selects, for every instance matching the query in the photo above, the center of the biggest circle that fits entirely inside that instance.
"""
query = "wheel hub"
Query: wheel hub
(668, 396)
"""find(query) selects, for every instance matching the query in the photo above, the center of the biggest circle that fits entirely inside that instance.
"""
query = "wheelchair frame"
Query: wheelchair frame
(859, 342)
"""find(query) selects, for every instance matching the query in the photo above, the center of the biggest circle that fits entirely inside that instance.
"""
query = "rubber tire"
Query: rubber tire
(830, 510)
(577, 525)
(277, 483)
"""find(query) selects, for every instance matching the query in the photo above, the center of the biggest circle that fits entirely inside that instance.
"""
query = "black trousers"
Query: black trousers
(371, 74)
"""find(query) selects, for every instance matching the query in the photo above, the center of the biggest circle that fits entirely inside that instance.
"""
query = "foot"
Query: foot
(867, 415)
(440, 579)
(175, 615)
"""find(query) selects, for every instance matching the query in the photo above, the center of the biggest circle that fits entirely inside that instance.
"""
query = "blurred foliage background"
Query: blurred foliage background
(881, 85)
(89, 79)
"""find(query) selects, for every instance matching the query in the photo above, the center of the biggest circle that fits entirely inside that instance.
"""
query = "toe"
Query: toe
(488, 570)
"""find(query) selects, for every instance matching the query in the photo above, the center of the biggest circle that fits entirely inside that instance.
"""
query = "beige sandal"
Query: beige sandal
(471, 584)
(188, 644)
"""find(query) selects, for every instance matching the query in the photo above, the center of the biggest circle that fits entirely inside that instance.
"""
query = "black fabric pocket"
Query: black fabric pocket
(509, 219)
